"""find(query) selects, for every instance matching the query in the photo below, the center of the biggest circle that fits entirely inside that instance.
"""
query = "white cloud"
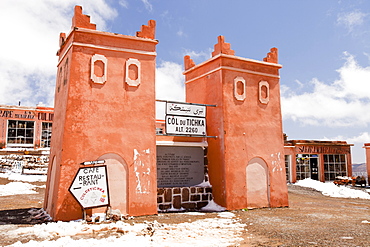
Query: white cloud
(200, 56)
(169, 85)
(170, 82)
(363, 137)
(123, 3)
(351, 19)
(181, 33)
(27, 54)
(300, 84)
(147, 5)
(345, 102)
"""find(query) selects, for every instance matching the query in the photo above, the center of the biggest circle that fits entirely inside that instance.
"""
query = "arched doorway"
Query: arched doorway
(258, 193)
(117, 181)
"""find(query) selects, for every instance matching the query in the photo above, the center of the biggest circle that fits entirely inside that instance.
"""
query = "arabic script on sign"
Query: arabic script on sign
(182, 109)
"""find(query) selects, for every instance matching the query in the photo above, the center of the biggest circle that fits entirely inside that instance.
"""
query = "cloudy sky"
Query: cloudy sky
(324, 47)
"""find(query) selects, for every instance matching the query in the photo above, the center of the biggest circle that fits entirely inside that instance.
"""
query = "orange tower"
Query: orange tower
(104, 106)
(246, 160)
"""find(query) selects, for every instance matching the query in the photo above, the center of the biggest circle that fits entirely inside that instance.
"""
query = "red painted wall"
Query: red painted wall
(109, 119)
(245, 129)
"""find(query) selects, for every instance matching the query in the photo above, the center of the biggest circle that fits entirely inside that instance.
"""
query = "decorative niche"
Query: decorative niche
(60, 77)
(133, 71)
(239, 88)
(65, 79)
(99, 64)
(264, 92)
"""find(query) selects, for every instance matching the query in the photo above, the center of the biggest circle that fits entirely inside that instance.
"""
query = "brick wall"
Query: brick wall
(183, 198)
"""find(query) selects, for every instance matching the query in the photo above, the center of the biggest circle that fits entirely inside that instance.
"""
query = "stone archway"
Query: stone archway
(117, 181)
(258, 192)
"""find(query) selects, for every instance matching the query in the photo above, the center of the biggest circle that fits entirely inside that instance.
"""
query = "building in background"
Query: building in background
(25, 135)
(318, 160)
(25, 129)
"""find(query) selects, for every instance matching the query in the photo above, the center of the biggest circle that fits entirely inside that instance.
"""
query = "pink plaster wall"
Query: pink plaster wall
(104, 120)
(244, 129)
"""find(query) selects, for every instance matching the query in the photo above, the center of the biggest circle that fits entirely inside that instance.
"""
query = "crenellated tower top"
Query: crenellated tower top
(147, 31)
(222, 47)
(81, 20)
(272, 56)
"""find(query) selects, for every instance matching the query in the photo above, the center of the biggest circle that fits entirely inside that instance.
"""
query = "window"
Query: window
(264, 92)
(99, 65)
(133, 71)
(287, 167)
(307, 166)
(159, 131)
(303, 167)
(239, 88)
(46, 134)
(20, 133)
(334, 165)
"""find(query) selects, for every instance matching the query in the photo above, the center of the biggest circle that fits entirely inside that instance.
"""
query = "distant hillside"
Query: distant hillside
(357, 168)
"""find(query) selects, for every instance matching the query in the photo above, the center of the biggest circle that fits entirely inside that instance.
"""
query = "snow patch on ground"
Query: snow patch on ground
(226, 215)
(20, 187)
(23, 177)
(330, 189)
(213, 207)
(16, 188)
(205, 232)
(193, 213)
(204, 184)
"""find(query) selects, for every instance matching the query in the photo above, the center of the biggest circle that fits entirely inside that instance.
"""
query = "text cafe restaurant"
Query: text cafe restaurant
(25, 128)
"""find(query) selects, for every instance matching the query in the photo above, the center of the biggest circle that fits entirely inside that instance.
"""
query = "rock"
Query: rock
(88, 218)
(116, 217)
(97, 219)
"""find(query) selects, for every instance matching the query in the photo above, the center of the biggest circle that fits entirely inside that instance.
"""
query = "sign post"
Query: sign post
(90, 187)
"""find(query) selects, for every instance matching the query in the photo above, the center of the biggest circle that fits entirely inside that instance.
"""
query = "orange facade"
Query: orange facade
(246, 159)
(105, 110)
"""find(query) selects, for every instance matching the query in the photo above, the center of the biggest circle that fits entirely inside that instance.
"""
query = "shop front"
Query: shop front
(25, 128)
(318, 160)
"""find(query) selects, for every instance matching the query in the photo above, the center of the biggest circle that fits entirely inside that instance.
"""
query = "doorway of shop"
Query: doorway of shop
(307, 166)
(314, 167)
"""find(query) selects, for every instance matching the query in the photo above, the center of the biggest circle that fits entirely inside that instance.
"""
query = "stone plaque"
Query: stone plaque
(179, 166)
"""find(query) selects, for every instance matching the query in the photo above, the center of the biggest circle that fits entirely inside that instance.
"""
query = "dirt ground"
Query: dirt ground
(311, 219)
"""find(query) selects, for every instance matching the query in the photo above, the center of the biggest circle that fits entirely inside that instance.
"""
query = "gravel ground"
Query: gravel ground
(311, 219)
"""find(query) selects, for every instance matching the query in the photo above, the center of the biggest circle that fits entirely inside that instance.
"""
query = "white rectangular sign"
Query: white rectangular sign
(181, 125)
(182, 109)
